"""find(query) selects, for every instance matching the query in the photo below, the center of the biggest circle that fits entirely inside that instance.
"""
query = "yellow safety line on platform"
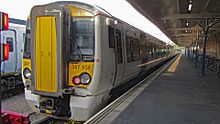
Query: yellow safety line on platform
(173, 67)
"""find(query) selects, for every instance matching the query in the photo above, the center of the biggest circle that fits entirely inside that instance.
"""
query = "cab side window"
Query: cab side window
(111, 37)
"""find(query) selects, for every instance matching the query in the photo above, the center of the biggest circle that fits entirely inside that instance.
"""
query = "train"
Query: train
(75, 54)
(12, 68)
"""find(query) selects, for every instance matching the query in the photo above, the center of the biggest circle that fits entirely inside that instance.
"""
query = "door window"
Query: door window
(119, 46)
(9, 40)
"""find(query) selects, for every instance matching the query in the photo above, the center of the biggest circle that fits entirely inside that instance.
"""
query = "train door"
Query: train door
(10, 65)
(119, 54)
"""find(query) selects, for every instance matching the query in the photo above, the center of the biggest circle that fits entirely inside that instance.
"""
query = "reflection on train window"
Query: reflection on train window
(119, 46)
(83, 42)
(111, 37)
(9, 40)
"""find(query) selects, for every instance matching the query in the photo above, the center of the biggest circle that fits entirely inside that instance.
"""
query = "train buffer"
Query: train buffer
(11, 117)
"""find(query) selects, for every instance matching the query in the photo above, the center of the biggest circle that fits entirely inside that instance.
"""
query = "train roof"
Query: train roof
(93, 8)
(17, 21)
(17, 24)
(96, 10)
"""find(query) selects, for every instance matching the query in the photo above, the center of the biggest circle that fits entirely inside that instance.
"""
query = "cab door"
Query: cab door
(49, 32)
(9, 38)
(119, 54)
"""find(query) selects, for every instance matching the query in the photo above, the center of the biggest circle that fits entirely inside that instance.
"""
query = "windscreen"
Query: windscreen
(82, 43)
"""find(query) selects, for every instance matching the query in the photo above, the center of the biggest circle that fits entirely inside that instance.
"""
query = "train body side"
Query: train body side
(111, 71)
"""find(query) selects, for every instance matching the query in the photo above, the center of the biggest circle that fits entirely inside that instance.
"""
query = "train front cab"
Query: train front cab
(68, 64)
(58, 57)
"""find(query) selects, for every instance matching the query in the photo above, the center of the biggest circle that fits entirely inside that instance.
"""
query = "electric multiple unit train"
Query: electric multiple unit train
(76, 53)
(12, 68)
(14, 37)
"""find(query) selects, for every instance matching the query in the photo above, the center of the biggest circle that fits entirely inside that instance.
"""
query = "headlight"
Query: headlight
(85, 78)
(27, 73)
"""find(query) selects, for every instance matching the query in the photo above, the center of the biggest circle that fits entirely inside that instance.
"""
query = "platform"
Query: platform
(180, 95)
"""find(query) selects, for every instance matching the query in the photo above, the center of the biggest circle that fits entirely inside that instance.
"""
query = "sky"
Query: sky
(118, 8)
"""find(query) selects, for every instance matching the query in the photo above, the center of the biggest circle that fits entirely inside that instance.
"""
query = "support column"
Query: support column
(204, 47)
(197, 40)
(188, 52)
(204, 53)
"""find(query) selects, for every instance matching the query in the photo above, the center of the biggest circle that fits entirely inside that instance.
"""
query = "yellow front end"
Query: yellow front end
(60, 63)
(46, 54)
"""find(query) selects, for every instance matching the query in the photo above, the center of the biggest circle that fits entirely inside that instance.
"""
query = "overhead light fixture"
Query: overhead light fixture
(187, 24)
(190, 5)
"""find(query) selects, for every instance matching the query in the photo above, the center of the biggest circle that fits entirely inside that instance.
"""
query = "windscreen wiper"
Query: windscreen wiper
(78, 51)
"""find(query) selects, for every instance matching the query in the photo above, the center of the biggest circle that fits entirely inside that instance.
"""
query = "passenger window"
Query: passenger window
(9, 40)
(154, 51)
(119, 46)
(136, 49)
(150, 50)
(111, 37)
(133, 49)
(129, 48)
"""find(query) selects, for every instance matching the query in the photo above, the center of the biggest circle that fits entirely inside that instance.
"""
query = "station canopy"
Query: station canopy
(183, 21)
